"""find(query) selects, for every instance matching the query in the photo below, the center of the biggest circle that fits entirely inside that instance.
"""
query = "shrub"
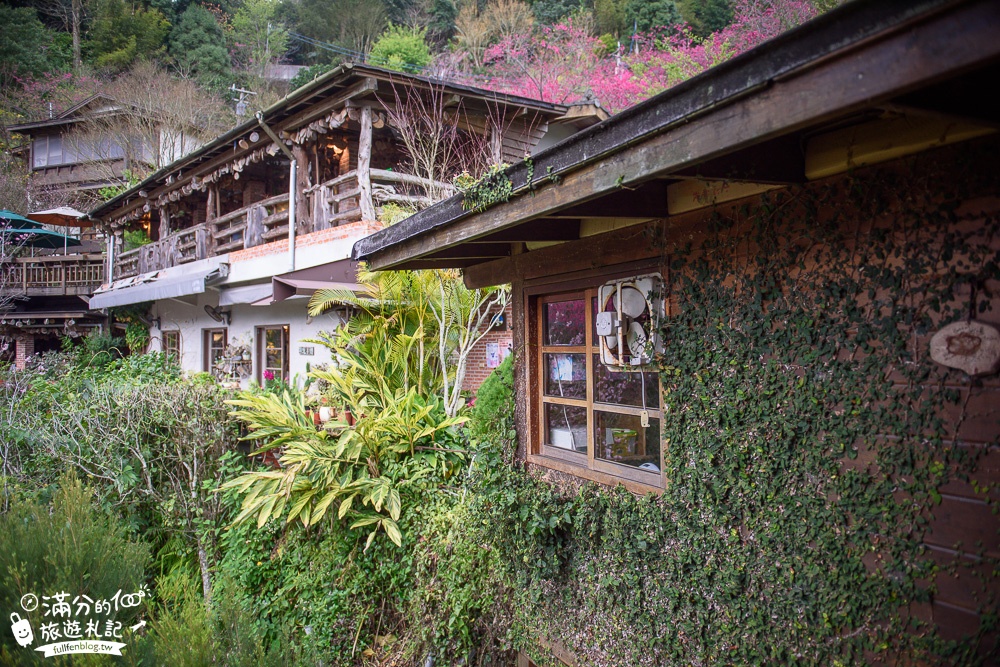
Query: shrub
(66, 545)
(402, 49)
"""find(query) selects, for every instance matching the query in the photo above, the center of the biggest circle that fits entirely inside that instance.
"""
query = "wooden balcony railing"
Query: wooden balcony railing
(335, 202)
(54, 274)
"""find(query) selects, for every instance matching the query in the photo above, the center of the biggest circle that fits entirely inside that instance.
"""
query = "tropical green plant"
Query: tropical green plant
(399, 439)
(416, 326)
(399, 367)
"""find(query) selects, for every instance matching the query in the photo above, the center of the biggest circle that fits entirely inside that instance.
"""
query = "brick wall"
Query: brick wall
(477, 369)
(24, 348)
(253, 191)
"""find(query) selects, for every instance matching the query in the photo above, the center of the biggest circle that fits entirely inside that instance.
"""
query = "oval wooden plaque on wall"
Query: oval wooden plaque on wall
(970, 346)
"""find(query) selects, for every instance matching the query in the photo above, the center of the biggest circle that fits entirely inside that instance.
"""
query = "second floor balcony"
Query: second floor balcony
(330, 204)
(53, 275)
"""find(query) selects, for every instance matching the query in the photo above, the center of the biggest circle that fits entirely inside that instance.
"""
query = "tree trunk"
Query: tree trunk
(364, 166)
(76, 12)
(303, 213)
(206, 575)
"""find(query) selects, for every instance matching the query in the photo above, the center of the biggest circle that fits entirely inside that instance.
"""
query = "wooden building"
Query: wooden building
(251, 223)
(862, 143)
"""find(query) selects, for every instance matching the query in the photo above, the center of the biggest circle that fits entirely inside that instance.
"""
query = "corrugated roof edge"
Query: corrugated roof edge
(296, 95)
(725, 83)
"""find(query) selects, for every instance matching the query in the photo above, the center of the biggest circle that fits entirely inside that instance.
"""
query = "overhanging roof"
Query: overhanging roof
(852, 71)
(153, 287)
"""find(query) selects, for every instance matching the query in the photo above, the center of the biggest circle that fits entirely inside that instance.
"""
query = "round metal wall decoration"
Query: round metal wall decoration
(971, 346)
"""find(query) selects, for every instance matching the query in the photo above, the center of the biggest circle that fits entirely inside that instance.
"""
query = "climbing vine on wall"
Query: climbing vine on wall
(806, 438)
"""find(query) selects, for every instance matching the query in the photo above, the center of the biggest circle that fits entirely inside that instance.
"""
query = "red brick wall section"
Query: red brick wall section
(476, 370)
(353, 230)
(25, 347)
(253, 192)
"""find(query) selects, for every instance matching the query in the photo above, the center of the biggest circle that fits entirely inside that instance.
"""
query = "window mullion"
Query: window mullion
(588, 335)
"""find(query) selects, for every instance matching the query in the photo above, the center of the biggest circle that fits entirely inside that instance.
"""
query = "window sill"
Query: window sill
(602, 478)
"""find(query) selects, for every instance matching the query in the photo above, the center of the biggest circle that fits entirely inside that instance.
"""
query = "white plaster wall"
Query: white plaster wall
(191, 320)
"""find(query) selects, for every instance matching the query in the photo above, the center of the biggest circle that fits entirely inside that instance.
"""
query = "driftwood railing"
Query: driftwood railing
(260, 222)
(181, 247)
(54, 274)
(333, 203)
(339, 199)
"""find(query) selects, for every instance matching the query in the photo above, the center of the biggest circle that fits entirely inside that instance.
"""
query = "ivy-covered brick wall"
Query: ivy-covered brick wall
(831, 491)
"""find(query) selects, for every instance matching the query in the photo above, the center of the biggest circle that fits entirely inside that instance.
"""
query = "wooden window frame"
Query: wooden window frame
(206, 346)
(168, 349)
(538, 452)
(261, 350)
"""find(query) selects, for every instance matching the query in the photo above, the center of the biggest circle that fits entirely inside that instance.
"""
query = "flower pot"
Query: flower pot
(325, 413)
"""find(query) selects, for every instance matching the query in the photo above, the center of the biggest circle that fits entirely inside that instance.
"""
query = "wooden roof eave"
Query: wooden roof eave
(299, 108)
(842, 63)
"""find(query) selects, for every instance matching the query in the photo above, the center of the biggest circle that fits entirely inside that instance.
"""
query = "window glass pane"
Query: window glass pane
(565, 323)
(216, 346)
(40, 151)
(55, 150)
(566, 375)
(625, 388)
(273, 337)
(566, 427)
(622, 439)
(275, 352)
(74, 149)
(113, 151)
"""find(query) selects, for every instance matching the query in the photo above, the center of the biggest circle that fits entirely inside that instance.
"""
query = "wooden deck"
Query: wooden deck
(55, 275)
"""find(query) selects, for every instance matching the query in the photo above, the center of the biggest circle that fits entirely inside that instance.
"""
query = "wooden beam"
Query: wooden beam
(540, 229)
(489, 274)
(779, 161)
(648, 200)
(878, 141)
(969, 98)
(473, 251)
(626, 245)
(836, 87)
(364, 87)
(421, 264)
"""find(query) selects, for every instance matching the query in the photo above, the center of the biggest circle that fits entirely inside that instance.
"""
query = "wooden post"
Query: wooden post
(364, 166)
(171, 254)
(302, 213)
(212, 207)
(254, 234)
(201, 241)
(164, 223)
(322, 219)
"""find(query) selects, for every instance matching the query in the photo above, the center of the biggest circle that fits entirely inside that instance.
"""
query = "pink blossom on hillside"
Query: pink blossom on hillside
(563, 63)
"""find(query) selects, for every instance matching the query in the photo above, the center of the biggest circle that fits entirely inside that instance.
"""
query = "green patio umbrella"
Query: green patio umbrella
(36, 238)
(11, 220)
